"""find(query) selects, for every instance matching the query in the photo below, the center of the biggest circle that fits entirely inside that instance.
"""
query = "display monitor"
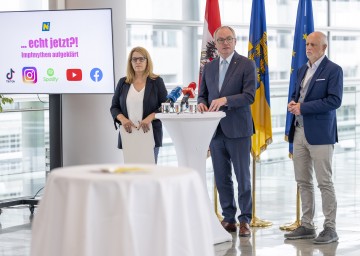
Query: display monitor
(56, 52)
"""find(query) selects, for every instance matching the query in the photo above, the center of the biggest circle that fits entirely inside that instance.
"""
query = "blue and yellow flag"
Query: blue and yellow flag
(304, 26)
(258, 51)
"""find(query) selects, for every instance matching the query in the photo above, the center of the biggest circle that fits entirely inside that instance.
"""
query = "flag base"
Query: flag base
(256, 222)
(291, 227)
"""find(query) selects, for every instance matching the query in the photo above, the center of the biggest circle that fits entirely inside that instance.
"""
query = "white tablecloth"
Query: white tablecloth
(191, 134)
(162, 211)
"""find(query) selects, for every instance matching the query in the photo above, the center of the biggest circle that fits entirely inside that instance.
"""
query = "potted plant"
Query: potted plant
(4, 100)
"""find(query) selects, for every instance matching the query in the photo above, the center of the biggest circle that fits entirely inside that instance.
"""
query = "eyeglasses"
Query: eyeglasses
(141, 59)
(222, 40)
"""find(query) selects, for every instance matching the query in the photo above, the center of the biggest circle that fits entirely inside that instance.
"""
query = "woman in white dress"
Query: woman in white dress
(138, 96)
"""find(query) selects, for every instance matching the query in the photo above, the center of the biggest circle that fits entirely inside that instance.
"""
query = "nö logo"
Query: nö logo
(45, 26)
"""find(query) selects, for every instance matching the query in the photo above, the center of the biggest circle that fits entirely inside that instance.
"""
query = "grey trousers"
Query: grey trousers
(307, 158)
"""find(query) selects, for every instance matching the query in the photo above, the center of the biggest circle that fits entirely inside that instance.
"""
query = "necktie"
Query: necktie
(222, 72)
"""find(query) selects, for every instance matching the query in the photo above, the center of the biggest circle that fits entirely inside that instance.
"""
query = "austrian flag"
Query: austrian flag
(211, 23)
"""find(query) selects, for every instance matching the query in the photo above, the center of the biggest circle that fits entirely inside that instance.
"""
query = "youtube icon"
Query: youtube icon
(74, 74)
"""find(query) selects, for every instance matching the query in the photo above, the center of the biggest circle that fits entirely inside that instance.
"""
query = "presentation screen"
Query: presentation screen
(56, 52)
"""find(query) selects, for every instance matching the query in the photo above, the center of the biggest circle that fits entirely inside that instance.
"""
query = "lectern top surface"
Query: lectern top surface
(198, 115)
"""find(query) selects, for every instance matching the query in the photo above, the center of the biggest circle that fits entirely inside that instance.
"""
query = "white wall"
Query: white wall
(89, 136)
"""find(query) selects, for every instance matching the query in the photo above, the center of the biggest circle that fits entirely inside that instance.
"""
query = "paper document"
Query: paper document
(138, 147)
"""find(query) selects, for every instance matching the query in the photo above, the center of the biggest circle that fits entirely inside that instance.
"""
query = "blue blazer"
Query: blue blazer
(155, 94)
(323, 97)
(239, 88)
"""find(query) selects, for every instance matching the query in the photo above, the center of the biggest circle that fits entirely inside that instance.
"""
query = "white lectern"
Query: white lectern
(191, 134)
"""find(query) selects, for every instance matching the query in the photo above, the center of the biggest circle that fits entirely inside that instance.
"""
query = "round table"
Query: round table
(148, 210)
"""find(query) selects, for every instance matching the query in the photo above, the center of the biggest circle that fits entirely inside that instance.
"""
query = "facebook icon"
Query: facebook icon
(96, 74)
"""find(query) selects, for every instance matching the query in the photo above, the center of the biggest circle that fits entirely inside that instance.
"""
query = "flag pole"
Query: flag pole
(255, 221)
(297, 223)
(260, 109)
(216, 203)
(304, 26)
(212, 21)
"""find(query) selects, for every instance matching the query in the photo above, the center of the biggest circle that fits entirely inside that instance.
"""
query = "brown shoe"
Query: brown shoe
(229, 227)
(244, 229)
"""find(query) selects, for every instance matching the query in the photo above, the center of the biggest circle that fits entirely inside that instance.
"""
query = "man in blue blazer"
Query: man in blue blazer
(228, 84)
(317, 95)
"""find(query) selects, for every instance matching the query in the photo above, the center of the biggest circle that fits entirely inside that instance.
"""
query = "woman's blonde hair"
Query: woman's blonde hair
(130, 73)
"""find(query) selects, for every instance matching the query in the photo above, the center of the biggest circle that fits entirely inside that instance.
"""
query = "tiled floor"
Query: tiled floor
(275, 201)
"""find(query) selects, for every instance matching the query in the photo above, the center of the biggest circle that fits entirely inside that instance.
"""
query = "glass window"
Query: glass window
(233, 11)
(24, 140)
(343, 46)
(175, 49)
(345, 13)
(24, 133)
(24, 5)
(154, 9)
(320, 13)
(180, 44)
(168, 49)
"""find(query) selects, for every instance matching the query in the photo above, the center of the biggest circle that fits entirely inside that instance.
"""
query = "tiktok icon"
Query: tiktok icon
(10, 76)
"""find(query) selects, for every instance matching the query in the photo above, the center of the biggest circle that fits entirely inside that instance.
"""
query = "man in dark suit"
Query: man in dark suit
(317, 95)
(228, 84)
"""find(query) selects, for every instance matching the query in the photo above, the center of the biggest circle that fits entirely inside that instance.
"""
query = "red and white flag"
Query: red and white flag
(211, 23)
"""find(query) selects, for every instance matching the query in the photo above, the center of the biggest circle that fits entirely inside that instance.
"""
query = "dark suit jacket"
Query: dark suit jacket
(239, 87)
(322, 98)
(155, 94)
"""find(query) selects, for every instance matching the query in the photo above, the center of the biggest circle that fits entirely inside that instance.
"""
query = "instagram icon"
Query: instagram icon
(29, 75)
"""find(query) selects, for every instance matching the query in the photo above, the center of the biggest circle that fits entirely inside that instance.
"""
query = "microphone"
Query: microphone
(188, 93)
(173, 95)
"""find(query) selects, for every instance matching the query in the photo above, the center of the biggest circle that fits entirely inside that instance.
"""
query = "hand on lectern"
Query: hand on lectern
(202, 107)
(216, 104)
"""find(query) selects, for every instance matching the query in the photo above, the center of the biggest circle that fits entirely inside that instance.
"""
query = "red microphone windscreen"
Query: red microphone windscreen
(189, 91)
(192, 85)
